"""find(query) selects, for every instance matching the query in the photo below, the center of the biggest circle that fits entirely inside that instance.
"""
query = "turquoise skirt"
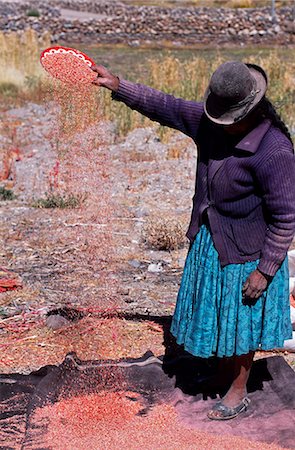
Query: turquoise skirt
(211, 317)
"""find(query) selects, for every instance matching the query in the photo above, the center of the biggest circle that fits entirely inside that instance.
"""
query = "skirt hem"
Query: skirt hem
(264, 348)
(211, 316)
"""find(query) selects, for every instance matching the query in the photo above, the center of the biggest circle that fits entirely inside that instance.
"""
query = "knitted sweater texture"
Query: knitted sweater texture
(246, 186)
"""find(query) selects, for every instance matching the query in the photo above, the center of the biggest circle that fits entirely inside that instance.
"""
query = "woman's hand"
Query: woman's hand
(255, 285)
(105, 78)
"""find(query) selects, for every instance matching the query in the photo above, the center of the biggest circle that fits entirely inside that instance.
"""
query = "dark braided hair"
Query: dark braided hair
(268, 111)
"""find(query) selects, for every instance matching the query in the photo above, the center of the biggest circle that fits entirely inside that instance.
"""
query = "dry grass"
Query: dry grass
(189, 80)
(211, 3)
(164, 233)
(21, 76)
(281, 89)
(20, 53)
(20, 70)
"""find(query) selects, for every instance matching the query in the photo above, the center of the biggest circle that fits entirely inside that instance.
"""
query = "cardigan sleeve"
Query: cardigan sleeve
(277, 182)
(177, 113)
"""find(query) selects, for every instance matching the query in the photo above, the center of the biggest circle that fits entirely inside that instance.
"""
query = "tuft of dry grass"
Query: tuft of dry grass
(164, 233)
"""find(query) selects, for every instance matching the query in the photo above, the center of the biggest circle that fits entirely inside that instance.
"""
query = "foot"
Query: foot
(222, 412)
(233, 400)
(234, 397)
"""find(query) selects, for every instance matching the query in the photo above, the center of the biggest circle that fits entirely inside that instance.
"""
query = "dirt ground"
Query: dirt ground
(61, 255)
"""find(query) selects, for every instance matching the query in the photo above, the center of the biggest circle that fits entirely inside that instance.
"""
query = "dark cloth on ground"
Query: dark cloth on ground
(182, 381)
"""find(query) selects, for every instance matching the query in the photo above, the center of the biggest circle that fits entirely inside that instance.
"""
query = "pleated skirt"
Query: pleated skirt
(211, 317)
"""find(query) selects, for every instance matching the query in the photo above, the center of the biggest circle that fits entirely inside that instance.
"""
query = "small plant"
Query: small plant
(51, 200)
(3, 313)
(8, 89)
(32, 82)
(164, 234)
(33, 13)
(6, 194)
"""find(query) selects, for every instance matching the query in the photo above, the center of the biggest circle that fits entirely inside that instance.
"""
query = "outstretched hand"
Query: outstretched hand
(255, 285)
(105, 78)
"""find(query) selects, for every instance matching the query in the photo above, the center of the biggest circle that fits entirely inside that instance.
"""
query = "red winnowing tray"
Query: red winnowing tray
(68, 65)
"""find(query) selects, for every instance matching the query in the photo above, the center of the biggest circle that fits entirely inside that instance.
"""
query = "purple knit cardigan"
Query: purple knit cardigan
(247, 187)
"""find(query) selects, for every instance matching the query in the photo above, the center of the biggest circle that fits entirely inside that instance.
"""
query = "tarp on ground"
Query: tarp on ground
(28, 419)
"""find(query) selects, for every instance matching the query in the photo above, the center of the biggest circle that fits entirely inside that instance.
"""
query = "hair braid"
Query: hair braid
(269, 112)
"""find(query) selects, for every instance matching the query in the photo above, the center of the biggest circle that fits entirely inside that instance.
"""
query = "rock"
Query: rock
(181, 262)
(123, 291)
(142, 144)
(231, 31)
(117, 22)
(253, 33)
(55, 322)
(134, 263)
(141, 212)
(155, 267)
(129, 300)
(289, 26)
(244, 32)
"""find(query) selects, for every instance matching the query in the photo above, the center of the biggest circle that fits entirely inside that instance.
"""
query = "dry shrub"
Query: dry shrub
(164, 233)
(239, 4)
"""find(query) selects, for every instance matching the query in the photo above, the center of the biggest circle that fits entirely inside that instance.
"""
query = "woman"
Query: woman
(233, 297)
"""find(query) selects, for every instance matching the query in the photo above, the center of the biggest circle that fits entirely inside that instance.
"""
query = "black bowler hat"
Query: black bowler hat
(234, 90)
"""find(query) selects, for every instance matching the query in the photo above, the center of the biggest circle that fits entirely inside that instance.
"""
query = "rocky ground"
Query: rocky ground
(46, 247)
(148, 179)
(145, 189)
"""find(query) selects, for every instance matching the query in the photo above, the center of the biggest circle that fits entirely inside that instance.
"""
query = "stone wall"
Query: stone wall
(119, 23)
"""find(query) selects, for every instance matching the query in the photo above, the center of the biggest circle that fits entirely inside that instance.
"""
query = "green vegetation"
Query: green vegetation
(33, 13)
(6, 194)
(9, 89)
(52, 200)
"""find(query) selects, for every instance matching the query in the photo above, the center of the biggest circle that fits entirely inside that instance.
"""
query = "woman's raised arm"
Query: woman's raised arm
(177, 113)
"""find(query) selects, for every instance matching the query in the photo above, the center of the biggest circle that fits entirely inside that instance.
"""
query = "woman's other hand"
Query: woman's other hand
(105, 78)
(255, 285)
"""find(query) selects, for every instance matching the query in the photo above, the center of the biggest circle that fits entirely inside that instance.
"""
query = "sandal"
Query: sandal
(225, 412)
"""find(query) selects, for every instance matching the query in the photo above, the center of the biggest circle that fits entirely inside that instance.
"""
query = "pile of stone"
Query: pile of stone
(10, 9)
(111, 22)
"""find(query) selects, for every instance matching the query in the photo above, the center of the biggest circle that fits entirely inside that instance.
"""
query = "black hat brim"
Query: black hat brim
(221, 114)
